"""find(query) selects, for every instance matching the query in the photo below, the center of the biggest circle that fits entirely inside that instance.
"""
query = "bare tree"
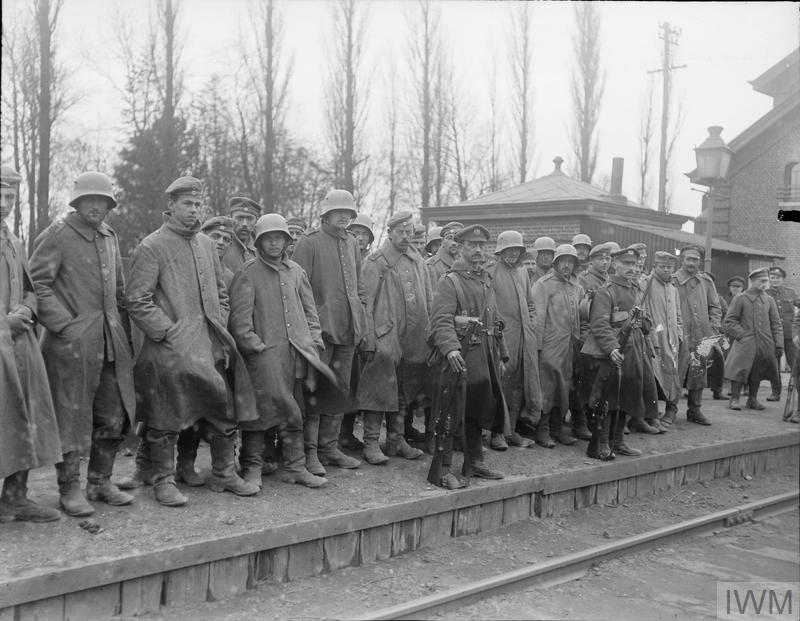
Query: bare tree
(492, 181)
(393, 165)
(521, 59)
(441, 126)
(588, 82)
(646, 137)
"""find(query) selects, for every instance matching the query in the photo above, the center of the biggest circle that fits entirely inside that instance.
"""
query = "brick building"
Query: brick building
(559, 206)
(764, 174)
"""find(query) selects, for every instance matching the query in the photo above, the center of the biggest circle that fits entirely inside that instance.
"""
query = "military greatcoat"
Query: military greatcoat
(702, 316)
(177, 297)
(238, 254)
(755, 326)
(662, 306)
(399, 297)
(28, 429)
(560, 332)
(784, 299)
(77, 272)
(439, 264)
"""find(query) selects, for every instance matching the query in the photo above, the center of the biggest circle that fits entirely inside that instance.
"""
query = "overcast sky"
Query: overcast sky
(723, 44)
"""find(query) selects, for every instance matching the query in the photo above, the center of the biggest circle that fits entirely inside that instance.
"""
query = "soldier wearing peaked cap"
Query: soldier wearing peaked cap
(596, 272)
(442, 261)
(244, 211)
(784, 299)
(418, 241)
(297, 226)
(755, 326)
(77, 271)
(220, 230)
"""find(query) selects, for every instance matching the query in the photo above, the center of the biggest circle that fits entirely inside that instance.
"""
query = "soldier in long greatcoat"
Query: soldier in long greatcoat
(398, 295)
(28, 429)
(560, 332)
(755, 326)
(244, 212)
(77, 272)
(784, 299)
(521, 386)
(188, 368)
(702, 316)
(462, 294)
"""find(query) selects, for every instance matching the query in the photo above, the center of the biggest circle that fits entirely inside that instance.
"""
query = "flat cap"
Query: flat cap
(474, 232)
(692, 249)
(185, 185)
(735, 280)
(760, 272)
(296, 222)
(223, 223)
(451, 227)
(778, 271)
(639, 246)
(663, 256)
(599, 249)
(242, 203)
(626, 255)
(612, 246)
(401, 217)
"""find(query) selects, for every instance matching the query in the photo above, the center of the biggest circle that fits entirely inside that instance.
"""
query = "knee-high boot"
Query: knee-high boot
(251, 456)
(598, 447)
(328, 449)
(395, 442)
(15, 504)
(620, 448)
(311, 443)
(188, 442)
(372, 433)
(71, 497)
(162, 457)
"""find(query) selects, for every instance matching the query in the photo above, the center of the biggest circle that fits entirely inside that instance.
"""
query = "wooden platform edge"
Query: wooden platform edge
(150, 580)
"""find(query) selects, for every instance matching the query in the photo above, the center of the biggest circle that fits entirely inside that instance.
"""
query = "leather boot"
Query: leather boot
(559, 430)
(543, 432)
(599, 447)
(294, 462)
(579, 428)
(188, 441)
(162, 456)
(372, 433)
(311, 440)
(15, 504)
(620, 448)
(409, 431)
(736, 390)
(251, 456)
(71, 496)
(670, 413)
(347, 440)
(223, 473)
(776, 391)
(395, 442)
(498, 442)
(101, 464)
(328, 450)
(643, 426)
(143, 469)
(693, 413)
(752, 402)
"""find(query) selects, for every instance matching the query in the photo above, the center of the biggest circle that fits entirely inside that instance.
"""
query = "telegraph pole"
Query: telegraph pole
(669, 35)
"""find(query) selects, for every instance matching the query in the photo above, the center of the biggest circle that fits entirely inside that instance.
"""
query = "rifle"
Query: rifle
(442, 417)
(787, 408)
(597, 413)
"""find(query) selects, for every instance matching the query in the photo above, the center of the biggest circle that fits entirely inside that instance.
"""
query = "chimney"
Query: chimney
(558, 160)
(617, 165)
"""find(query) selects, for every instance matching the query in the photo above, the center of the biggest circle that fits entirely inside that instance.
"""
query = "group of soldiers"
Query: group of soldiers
(249, 331)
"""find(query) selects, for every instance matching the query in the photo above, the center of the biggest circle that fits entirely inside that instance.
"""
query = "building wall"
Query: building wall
(753, 196)
(560, 229)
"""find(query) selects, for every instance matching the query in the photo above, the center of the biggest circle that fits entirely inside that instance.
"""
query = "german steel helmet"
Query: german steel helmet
(565, 250)
(582, 238)
(364, 220)
(435, 234)
(9, 175)
(338, 199)
(93, 184)
(271, 223)
(509, 239)
(544, 243)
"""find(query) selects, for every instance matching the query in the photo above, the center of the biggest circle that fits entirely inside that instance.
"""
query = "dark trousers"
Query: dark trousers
(109, 424)
(791, 359)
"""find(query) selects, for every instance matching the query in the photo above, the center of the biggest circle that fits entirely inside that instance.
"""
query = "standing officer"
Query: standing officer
(77, 271)
(398, 295)
(583, 246)
(28, 429)
(244, 212)
(463, 294)
(331, 258)
(443, 260)
(784, 299)
(297, 227)
(520, 379)
(755, 326)
(701, 315)
(560, 331)
(188, 368)
(545, 249)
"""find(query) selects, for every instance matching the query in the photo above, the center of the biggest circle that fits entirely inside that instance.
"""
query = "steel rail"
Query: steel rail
(575, 565)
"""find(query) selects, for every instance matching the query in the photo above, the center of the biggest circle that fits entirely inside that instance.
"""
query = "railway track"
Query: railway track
(574, 566)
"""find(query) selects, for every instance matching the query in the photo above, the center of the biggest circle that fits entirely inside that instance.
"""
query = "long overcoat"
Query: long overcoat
(754, 325)
(512, 289)
(662, 306)
(560, 331)
(637, 390)
(438, 265)
(274, 322)
(29, 432)
(473, 297)
(333, 264)
(398, 304)
(77, 272)
(702, 316)
(176, 295)
(238, 254)
(591, 280)
(784, 300)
